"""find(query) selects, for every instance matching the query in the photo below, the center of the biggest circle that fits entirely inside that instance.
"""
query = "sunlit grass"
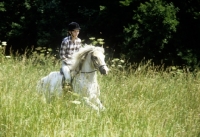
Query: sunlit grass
(142, 103)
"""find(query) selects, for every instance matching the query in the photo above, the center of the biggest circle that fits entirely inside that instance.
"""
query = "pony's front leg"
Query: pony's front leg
(94, 102)
(89, 103)
(98, 102)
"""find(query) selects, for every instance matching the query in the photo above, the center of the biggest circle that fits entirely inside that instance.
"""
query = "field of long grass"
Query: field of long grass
(142, 103)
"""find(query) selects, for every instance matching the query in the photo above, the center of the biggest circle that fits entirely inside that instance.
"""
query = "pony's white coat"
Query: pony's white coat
(51, 83)
(85, 63)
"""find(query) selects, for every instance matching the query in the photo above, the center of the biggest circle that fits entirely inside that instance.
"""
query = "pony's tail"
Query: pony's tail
(40, 85)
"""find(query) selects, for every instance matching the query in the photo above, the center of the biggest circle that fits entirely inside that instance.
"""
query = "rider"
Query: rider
(69, 46)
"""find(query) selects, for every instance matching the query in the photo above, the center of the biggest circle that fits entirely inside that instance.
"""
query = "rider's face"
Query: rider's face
(75, 33)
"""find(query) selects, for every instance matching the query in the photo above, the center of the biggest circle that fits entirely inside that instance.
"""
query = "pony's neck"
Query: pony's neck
(86, 66)
(90, 74)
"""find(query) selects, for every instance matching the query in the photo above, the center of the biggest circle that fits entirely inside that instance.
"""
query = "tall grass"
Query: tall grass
(142, 103)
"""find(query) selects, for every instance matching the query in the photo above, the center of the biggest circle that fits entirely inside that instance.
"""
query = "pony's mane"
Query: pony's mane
(79, 57)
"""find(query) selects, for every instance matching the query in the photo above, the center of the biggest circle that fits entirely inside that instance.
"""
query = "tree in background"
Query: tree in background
(18, 23)
(187, 38)
(152, 27)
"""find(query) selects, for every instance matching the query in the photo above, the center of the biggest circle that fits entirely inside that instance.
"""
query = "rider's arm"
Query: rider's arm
(64, 53)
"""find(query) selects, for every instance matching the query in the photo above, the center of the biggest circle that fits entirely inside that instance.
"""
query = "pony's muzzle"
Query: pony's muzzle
(103, 70)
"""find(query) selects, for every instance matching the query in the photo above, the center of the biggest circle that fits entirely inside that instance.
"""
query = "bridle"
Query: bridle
(93, 70)
(86, 72)
(96, 67)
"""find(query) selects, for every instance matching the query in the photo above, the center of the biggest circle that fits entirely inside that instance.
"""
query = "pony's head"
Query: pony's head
(90, 56)
(98, 60)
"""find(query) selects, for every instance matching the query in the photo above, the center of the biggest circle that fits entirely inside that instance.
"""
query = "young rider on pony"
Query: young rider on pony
(69, 46)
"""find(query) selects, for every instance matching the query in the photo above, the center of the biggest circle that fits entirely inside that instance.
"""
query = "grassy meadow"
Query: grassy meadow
(146, 102)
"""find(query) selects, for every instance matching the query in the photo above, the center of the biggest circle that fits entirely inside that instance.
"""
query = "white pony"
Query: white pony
(85, 64)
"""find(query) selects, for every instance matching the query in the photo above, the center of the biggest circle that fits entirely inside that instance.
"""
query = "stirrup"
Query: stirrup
(61, 72)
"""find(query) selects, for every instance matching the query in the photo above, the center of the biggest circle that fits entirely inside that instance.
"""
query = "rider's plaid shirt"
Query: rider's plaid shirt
(68, 48)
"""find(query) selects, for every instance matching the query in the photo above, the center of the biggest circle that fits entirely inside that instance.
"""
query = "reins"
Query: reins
(81, 72)
(93, 70)
(89, 71)
(85, 72)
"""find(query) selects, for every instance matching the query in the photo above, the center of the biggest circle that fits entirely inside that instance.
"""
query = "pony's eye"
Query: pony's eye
(94, 57)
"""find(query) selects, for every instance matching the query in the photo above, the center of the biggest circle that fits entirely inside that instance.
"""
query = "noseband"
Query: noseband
(101, 66)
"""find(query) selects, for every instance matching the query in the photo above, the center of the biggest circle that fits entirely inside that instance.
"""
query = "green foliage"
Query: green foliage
(117, 63)
(188, 57)
(2, 8)
(2, 49)
(154, 29)
(126, 2)
(154, 23)
(95, 41)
